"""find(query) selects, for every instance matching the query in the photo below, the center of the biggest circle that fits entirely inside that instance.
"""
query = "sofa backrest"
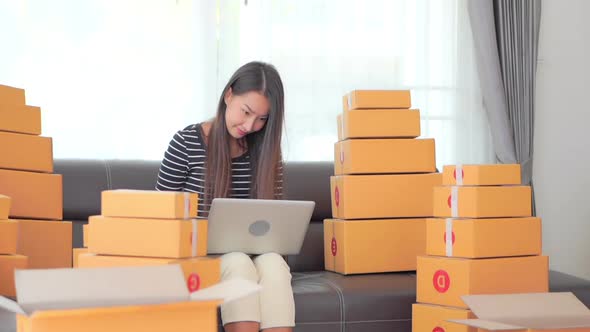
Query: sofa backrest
(85, 179)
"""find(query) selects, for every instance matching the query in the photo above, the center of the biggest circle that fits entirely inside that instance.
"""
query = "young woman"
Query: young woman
(238, 154)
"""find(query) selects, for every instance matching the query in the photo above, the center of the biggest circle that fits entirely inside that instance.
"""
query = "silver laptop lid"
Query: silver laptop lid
(258, 226)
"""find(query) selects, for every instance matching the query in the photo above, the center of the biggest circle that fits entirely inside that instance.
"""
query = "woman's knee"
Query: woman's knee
(238, 265)
(272, 266)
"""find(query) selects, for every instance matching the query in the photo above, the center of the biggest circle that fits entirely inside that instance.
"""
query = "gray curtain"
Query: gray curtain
(506, 35)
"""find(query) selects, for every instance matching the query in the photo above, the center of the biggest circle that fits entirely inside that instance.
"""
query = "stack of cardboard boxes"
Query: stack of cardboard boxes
(36, 203)
(383, 185)
(9, 260)
(144, 228)
(482, 241)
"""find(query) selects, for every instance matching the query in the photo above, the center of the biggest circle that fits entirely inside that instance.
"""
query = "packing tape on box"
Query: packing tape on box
(459, 174)
(349, 97)
(449, 237)
(187, 205)
(454, 201)
(194, 237)
(342, 125)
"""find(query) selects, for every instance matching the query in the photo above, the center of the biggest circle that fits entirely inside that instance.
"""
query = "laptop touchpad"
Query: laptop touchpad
(259, 228)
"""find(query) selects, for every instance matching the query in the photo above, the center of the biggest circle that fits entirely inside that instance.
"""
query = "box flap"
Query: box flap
(99, 287)
(486, 324)
(10, 305)
(531, 305)
(226, 291)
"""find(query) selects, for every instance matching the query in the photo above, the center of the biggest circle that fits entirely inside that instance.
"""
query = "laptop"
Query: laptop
(257, 226)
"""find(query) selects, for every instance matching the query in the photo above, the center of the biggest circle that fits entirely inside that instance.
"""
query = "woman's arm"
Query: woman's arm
(279, 181)
(174, 168)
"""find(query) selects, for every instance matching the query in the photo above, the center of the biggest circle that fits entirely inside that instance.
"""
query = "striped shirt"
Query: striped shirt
(183, 168)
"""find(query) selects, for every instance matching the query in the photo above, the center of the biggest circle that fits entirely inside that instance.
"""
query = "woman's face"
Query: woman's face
(246, 113)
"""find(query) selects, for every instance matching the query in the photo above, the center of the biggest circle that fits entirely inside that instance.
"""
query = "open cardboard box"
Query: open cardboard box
(151, 298)
(547, 312)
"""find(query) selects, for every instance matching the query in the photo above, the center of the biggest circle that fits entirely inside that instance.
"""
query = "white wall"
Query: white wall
(561, 171)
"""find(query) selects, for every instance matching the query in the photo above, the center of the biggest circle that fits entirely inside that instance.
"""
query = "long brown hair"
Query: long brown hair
(264, 146)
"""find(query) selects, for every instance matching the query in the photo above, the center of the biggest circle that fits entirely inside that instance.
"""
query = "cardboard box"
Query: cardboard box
(4, 207)
(443, 280)
(433, 318)
(379, 124)
(8, 237)
(379, 156)
(76, 252)
(480, 238)
(163, 238)
(85, 235)
(26, 152)
(534, 312)
(47, 194)
(339, 128)
(152, 299)
(375, 99)
(48, 244)
(481, 175)
(373, 246)
(8, 264)
(20, 119)
(11, 96)
(383, 196)
(199, 272)
(149, 204)
(482, 202)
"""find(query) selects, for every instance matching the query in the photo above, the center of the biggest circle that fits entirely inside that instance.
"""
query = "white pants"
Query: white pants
(274, 305)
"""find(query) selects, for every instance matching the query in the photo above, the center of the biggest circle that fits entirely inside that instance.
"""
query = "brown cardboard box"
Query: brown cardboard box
(177, 317)
(383, 196)
(11, 96)
(375, 99)
(482, 201)
(372, 246)
(480, 238)
(534, 312)
(47, 196)
(443, 280)
(199, 272)
(20, 119)
(8, 236)
(433, 318)
(4, 207)
(9, 263)
(384, 123)
(26, 152)
(378, 156)
(85, 235)
(76, 252)
(64, 300)
(481, 175)
(164, 238)
(48, 244)
(149, 204)
(339, 127)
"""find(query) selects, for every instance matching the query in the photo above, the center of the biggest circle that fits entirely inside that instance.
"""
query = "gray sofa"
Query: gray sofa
(325, 301)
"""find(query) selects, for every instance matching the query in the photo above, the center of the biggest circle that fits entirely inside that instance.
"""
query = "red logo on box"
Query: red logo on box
(438, 329)
(452, 237)
(334, 246)
(455, 174)
(193, 282)
(337, 196)
(441, 281)
(449, 201)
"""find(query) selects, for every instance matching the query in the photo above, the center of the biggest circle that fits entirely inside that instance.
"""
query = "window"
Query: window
(117, 79)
